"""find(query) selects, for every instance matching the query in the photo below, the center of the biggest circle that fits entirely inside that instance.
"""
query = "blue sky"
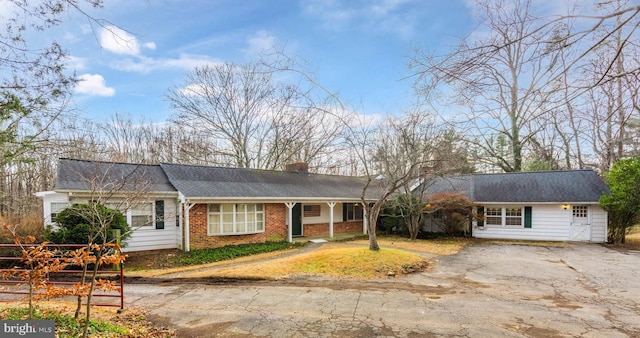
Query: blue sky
(356, 48)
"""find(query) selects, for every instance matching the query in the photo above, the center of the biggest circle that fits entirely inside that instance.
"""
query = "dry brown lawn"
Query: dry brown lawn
(438, 246)
(331, 260)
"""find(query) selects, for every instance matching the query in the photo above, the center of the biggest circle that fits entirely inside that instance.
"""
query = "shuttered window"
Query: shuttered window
(505, 216)
(159, 214)
(527, 217)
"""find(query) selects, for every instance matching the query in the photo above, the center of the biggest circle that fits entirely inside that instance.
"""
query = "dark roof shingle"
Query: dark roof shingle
(218, 182)
(524, 187)
(82, 175)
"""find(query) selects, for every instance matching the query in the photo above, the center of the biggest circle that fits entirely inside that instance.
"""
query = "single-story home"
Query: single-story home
(549, 205)
(194, 207)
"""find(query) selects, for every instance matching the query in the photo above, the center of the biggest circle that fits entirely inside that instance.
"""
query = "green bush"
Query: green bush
(77, 223)
(232, 251)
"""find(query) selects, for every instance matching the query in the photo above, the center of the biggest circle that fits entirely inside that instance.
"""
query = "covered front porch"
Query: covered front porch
(318, 218)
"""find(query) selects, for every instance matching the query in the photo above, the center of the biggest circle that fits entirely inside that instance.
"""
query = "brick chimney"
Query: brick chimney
(298, 167)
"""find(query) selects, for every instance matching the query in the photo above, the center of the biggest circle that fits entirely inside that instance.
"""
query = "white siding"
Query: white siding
(598, 224)
(143, 238)
(49, 197)
(150, 238)
(548, 223)
(324, 214)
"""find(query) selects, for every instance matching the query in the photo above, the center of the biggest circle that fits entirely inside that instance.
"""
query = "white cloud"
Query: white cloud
(145, 64)
(76, 63)
(118, 41)
(93, 84)
(150, 45)
(260, 42)
(380, 15)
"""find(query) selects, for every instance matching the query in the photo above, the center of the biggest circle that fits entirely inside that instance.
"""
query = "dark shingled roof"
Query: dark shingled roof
(110, 176)
(524, 187)
(206, 182)
(217, 182)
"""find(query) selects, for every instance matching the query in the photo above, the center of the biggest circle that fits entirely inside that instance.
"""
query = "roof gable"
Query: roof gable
(79, 175)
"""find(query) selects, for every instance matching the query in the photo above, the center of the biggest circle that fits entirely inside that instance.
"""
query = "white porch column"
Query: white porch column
(187, 237)
(290, 205)
(365, 221)
(331, 205)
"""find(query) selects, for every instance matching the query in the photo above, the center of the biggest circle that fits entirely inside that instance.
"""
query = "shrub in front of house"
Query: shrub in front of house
(84, 223)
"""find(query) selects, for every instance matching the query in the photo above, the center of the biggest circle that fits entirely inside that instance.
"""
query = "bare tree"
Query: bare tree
(249, 119)
(500, 75)
(393, 154)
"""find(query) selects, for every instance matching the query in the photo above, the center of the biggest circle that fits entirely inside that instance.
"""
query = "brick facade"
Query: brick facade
(322, 229)
(275, 228)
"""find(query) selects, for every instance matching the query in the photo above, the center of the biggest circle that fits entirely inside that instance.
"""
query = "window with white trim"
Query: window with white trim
(235, 218)
(493, 216)
(513, 216)
(353, 211)
(504, 216)
(142, 215)
(580, 211)
(56, 207)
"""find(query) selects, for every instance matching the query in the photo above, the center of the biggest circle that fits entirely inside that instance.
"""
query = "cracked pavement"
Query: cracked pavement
(486, 290)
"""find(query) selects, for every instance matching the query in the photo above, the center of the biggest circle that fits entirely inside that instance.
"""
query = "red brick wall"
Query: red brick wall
(275, 228)
(322, 229)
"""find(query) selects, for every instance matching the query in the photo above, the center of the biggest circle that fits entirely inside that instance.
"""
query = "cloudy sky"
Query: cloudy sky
(358, 48)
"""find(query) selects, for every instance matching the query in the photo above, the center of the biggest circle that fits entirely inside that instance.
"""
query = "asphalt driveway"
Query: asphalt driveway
(486, 290)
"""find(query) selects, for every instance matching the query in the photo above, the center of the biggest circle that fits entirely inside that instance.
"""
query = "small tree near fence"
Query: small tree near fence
(38, 261)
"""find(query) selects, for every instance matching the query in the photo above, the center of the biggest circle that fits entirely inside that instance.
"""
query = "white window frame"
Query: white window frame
(503, 216)
(354, 210)
(150, 217)
(54, 212)
(243, 222)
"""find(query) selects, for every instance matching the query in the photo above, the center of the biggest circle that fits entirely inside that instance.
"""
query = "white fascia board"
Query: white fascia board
(44, 193)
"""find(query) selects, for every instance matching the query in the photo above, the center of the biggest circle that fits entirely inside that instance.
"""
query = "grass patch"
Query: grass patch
(131, 323)
(163, 259)
(329, 260)
(441, 246)
(632, 238)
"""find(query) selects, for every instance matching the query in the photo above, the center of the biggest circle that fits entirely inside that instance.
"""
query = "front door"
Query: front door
(296, 222)
(580, 227)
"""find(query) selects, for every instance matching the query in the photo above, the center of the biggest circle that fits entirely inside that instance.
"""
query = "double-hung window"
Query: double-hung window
(235, 218)
(507, 216)
(493, 216)
(56, 207)
(142, 215)
(352, 211)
